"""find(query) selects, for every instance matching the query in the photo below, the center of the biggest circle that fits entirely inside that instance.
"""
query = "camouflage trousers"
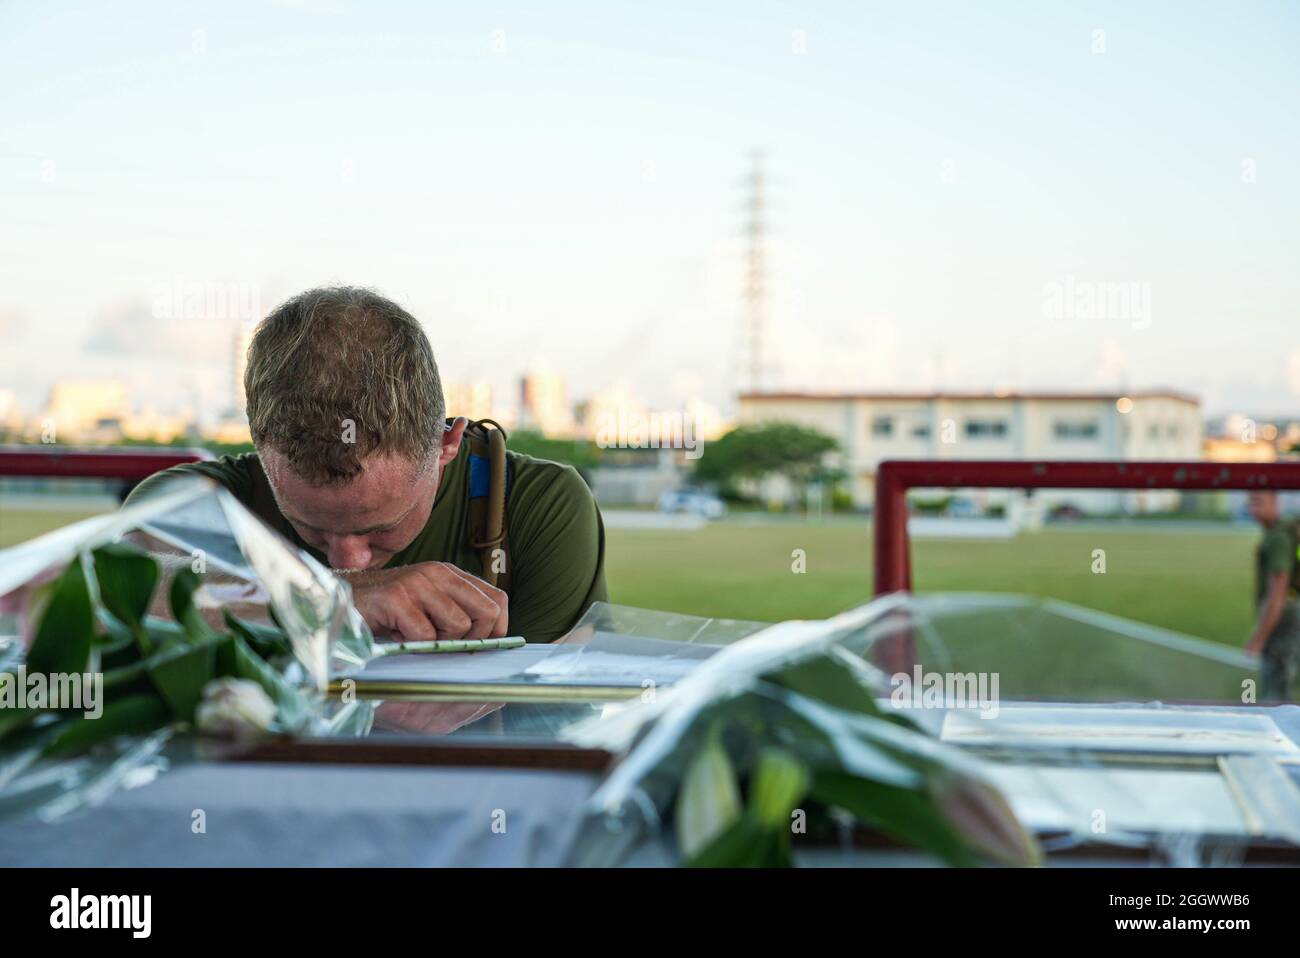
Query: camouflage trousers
(1280, 660)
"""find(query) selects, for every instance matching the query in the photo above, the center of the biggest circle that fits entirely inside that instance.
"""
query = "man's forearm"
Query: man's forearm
(1269, 616)
(428, 600)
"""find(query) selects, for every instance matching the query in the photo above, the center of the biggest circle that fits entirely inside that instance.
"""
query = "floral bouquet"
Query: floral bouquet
(184, 611)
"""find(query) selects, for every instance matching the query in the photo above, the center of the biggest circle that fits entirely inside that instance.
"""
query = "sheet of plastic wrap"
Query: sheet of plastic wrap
(248, 568)
(612, 652)
(1063, 711)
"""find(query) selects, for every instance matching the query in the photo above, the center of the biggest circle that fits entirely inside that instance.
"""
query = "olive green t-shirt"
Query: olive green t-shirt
(1275, 553)
(555, 537)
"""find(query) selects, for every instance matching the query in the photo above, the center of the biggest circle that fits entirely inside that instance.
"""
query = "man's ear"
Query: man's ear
(451, 441)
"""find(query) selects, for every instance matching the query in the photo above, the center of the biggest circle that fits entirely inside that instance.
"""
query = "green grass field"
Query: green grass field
(1198, 582)
(1195, 582)
(19, 525)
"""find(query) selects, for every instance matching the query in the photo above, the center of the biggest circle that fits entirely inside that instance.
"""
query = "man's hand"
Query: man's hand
(429, 600)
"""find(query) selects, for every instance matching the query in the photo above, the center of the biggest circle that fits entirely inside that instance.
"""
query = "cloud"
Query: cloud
(137, 328)
(1293, 371)
(13, 323)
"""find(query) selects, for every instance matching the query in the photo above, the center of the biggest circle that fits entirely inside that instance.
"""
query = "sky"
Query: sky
(562, 186)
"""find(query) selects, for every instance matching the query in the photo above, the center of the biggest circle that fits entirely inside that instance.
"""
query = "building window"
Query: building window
(921, 431)
(986, 428)
(882, 427)
(1063, 429)
(1153, 432)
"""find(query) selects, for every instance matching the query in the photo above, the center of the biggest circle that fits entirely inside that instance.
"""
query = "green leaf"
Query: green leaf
(67, 623)
(778, 784)
(760, 836)
(128, 678)
(165, 631)
(184, 584)
(118, 656)
(910, 815)
(746, 843)
(831, 680)
(127, 578)
(180, 674)
(114, 635)
(268, 641)
(708, 802)
(292, 706)
(133, 715)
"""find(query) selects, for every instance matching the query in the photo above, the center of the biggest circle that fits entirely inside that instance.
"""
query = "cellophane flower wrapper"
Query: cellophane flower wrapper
(827, 695)
(244, 569)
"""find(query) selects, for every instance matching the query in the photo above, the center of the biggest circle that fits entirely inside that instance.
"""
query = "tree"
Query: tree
(757, 451)
(582, 454)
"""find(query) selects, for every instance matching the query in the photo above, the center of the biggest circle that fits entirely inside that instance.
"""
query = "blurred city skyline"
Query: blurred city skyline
(1001, 197)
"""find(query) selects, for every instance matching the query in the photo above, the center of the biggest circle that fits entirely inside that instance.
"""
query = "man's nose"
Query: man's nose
(348, 552)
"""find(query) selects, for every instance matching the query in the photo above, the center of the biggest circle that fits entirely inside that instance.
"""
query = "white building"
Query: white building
(871, 427)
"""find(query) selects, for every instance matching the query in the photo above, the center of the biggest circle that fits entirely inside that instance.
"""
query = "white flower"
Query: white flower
(234, 708)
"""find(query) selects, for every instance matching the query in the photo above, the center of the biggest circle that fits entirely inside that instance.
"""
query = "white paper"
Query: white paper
(607, 659)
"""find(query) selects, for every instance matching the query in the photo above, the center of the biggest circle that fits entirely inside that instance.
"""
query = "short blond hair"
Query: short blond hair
(338, 374)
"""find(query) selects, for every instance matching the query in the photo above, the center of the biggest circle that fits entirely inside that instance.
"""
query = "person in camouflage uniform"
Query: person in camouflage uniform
(1276, 636)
